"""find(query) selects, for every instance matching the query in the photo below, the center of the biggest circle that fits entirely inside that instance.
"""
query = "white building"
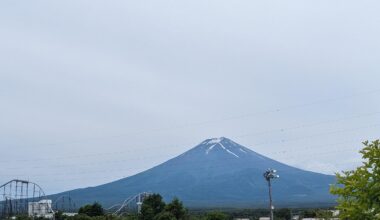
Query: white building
(41, 209)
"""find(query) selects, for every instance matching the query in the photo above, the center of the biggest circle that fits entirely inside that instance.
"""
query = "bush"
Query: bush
(92, 210)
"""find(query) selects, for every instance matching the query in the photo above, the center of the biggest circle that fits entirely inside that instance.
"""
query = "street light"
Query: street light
(268, 175)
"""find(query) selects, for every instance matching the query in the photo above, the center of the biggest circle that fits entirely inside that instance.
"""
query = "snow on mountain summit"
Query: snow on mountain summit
(215, 140)
(225, 144)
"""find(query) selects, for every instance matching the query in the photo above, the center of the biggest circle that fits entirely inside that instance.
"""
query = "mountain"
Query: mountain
(217, 173)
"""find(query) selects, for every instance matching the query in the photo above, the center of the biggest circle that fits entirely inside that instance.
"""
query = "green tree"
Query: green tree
(216, 216)
(80, 217)
(151, 206)
(309, 213)
(284, 214)
(130, 216)
(324, 214)
(165, 216)
(92, 210)
(59, 215)
(359, 190)
(176, 209)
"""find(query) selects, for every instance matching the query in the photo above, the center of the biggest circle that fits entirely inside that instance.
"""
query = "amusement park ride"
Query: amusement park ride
(132, 203)
(21, 197)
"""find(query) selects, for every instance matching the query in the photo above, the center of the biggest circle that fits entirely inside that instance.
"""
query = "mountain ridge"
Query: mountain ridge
(216, 172)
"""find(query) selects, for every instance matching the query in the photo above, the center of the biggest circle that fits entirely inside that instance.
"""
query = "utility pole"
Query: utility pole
(270, 200)
(269, 175)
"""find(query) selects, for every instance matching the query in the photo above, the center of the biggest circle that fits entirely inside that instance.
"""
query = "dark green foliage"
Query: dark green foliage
(130, 217)
(81, 217)
(22, 217)
(105, 217)
(176, 209)
(202, 214)
(324, 214)
(165, 216)
(152, 206)
(216, 216)
(92, 210)
(146, 213)
(359, 189)
(309, 214)
(59, 216)
(283, 214)
(26, 217)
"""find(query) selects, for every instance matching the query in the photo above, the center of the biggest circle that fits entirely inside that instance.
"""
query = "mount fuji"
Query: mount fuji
(217, 173)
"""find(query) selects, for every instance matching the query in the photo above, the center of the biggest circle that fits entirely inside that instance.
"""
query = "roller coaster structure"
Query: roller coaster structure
(64, 204)
(22, 197)
(131, 204)
(16, 195)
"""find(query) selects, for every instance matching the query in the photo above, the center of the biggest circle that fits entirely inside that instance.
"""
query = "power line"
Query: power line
(301, 126)
(283, 130)
(69, 175)
(138, 158)
(317, 135)
(145, 157)
(195, 124)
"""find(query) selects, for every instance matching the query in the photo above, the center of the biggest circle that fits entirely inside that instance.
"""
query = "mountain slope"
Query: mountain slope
(217, 172)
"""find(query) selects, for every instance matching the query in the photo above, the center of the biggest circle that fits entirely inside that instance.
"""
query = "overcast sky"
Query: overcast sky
(93, 91)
